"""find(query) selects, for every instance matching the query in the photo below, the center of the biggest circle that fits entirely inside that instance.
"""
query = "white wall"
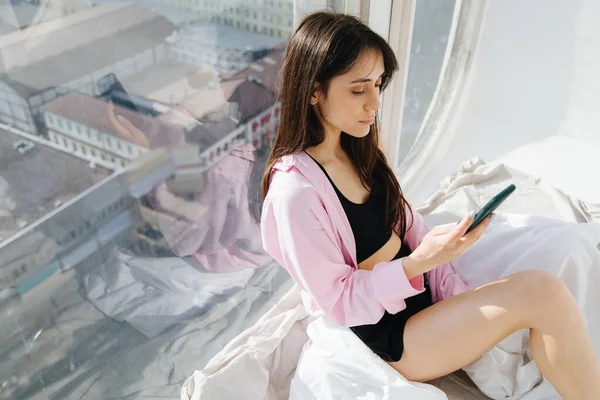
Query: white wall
(534, 76)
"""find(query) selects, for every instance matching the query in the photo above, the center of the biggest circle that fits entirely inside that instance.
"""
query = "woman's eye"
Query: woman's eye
(358, 93)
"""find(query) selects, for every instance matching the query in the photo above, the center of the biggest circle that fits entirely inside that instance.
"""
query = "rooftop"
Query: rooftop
(32, 184)
(169, 81)
(265, 70)
(93, 112)
(244, 99)
(60, 69)
(61, 34)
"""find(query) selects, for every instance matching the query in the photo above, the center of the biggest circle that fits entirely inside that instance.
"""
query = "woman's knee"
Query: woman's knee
(542, 290)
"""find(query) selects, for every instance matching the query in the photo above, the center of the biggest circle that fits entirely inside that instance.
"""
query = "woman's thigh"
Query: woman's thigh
(455, 332)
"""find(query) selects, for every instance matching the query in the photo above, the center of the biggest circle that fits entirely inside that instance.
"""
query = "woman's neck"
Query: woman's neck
(328, 150)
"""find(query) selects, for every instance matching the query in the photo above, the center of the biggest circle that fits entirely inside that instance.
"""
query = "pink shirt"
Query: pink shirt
(215, 227)
(305, 229)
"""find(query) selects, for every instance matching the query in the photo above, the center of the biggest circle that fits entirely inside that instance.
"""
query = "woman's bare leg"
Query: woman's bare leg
(453, 333)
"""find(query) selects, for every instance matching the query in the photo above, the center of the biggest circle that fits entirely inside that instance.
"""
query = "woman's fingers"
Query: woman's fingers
(476, 233)
(460, 229)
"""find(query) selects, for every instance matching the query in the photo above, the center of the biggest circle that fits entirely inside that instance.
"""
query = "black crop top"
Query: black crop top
(366, 220)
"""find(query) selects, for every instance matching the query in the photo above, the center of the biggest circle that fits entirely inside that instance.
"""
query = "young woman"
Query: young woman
(334, 216)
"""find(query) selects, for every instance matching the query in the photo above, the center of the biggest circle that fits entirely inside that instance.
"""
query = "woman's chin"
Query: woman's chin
(359, 133)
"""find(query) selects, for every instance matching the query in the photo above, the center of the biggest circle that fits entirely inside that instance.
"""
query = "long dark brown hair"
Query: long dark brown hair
(326, 45)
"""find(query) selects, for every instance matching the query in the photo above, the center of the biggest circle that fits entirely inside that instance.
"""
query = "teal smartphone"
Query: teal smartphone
(491, 206)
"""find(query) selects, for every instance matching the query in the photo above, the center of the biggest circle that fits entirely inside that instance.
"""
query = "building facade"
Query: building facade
(224, 48)
(77, 124)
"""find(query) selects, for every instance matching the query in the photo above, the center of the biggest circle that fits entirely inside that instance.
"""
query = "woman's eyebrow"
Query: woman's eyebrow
(363, 80)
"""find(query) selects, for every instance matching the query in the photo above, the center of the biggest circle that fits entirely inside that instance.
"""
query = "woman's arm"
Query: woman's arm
(443, 279)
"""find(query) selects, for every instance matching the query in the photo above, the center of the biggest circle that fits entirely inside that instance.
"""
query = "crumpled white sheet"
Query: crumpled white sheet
(153, 294)
(335, 365)
(535, 239)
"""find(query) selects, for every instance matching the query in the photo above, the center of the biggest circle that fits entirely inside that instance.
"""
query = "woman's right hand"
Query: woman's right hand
(444, 244)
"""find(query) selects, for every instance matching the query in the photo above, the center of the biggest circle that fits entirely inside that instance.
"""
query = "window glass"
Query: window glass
(120, 282)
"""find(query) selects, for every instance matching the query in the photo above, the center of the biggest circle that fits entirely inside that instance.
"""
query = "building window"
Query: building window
(119, 144)
(129, 149)
(83, 151)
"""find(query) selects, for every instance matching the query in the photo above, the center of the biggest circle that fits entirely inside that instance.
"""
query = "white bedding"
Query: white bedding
(535, 228)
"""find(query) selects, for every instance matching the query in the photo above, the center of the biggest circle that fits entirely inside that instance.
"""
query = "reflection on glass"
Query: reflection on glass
(132, 142)
(431, 30)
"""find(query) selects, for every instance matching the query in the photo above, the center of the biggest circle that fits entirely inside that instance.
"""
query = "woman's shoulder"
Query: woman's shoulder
(290, 186)
(290, 175)
(291, 183)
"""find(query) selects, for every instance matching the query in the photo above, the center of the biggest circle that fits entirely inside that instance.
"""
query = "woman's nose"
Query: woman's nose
(374, 100)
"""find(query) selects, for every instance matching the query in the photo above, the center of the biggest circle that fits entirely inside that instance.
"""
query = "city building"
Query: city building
(264, 71)
(224, 48)
(69, 236)
(273, 18)
(80, 125)
(73, 53)
(170, 82)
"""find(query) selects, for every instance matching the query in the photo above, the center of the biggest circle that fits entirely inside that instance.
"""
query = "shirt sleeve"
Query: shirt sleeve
(298, 233)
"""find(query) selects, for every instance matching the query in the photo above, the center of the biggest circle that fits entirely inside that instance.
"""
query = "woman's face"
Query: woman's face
(352, 99)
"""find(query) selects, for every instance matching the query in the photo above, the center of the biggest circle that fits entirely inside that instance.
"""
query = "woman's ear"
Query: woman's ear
(316, 95)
